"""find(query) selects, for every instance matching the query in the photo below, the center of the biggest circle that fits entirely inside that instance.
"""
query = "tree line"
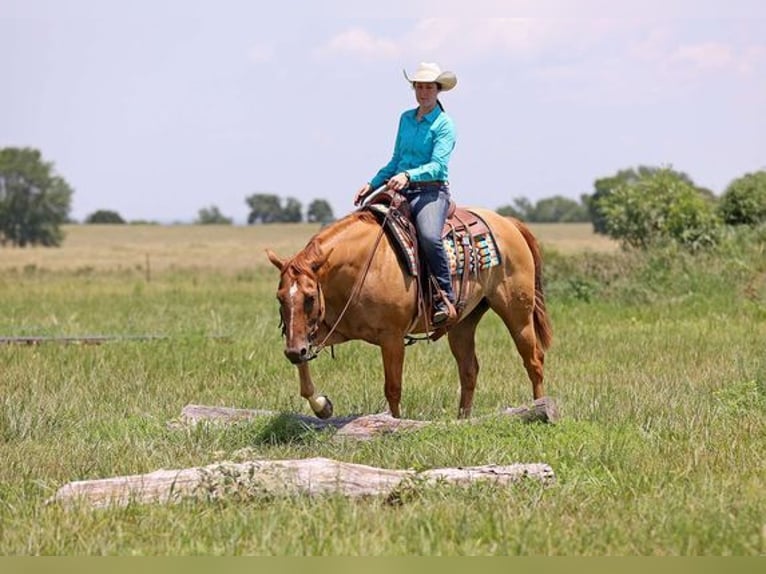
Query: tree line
(637, 206)
(264, 208)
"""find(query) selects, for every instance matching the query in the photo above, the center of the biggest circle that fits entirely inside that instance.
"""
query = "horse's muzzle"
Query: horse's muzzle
(299, 355)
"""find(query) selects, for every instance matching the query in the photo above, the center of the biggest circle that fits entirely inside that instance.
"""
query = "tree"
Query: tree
(659, 206)
(104, 216)
(320, 212)
(212, 216)
(520, 209)
(558, 209)
(292, 212)
(509, 211)
(744, 200)
(267, 208)
(264, 208)
(34, 201)
(605, 186)
(550, 210)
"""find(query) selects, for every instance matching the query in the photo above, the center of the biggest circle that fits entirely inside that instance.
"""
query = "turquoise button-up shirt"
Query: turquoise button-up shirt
(422, 148)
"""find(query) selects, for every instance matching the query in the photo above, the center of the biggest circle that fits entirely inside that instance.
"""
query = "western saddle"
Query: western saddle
(467, 238)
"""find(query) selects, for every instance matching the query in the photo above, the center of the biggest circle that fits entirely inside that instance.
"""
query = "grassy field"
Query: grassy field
(658, 368)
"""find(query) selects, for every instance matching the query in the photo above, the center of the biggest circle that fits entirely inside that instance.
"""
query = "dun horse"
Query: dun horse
(322, 302)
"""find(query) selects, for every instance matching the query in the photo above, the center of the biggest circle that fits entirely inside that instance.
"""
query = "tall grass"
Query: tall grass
(657, 366)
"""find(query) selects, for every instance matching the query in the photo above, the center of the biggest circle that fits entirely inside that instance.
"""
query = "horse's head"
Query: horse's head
(301, 302)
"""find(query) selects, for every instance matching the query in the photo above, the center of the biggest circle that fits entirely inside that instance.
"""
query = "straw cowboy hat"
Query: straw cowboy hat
(430, 72)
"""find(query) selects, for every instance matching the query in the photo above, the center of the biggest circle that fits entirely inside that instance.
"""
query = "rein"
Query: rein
(354, 291)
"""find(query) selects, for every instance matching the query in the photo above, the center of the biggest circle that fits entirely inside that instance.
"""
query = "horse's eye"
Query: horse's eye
(308, 302)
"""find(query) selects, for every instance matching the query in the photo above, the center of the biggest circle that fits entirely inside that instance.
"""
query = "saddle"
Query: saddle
(467, 239)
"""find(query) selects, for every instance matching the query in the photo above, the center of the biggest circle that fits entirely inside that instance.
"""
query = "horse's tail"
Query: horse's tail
(543, 328)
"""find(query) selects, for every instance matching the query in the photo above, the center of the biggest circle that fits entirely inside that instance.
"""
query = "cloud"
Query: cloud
(705, 56)
(463, 39)
(468, 38)
(700, 60)
(568, 58)
(360, 43)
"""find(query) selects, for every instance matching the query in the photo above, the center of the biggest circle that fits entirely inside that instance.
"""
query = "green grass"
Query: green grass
(659, 373)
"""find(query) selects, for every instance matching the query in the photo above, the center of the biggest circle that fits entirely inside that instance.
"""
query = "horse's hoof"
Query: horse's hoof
(325, 410)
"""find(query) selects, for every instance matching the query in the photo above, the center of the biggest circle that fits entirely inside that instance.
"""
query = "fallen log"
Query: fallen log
(355, 426)
(543, 410)
(312, 476)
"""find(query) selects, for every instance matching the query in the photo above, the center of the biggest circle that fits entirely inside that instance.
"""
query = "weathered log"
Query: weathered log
(313, 476)
(359, 427)
(543, 410)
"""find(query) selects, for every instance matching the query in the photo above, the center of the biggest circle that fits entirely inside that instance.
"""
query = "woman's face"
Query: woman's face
(426, 94)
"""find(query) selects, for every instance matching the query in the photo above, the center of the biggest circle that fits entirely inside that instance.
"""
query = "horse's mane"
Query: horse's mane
(302, 262)
(342, 224)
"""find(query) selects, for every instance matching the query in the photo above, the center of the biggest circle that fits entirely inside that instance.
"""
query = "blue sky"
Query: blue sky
(157, 109)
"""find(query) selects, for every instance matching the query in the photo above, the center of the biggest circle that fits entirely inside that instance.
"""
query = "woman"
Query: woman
(419, 170)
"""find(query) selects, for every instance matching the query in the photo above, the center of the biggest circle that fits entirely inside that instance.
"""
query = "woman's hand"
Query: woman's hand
(399, 182)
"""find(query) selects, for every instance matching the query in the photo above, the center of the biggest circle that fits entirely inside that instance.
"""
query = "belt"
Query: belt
(428, 184)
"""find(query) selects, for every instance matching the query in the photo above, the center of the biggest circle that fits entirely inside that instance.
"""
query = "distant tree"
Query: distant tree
(605, 186)
(559, 209)
(744, 200)
(509, 211)
(661, 206)
(34, 201)
(264, 208)
(520, 209)
(212, 216)
(104, 216)
(292, 212)
(550, 210)
(319, 212)
(267, 208)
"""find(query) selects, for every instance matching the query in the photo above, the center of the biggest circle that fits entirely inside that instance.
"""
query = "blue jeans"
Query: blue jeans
(429, 210)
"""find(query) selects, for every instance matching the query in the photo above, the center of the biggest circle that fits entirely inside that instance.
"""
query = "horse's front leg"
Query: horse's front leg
(320, 404)
(393, 363)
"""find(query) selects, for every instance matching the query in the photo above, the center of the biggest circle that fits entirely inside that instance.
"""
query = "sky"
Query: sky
(157, 109)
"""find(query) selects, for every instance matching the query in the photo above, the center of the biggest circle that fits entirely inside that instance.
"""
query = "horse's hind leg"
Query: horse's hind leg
(462, 343)
(519, 320)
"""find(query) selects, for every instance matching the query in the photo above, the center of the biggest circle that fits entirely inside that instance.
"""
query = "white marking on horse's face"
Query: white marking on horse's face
(291, 291)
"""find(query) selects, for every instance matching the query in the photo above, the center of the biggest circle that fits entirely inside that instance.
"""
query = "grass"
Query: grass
(658, 370)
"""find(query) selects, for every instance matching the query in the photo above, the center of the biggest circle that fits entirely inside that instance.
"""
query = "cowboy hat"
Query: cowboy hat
(430, 72)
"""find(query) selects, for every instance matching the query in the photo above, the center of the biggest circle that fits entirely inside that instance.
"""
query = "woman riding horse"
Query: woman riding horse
(419, 170)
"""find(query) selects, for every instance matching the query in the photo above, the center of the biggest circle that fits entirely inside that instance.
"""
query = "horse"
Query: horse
(348, 284)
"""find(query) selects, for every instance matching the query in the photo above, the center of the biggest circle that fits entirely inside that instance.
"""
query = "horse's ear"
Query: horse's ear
(321, 259)
(275, 261)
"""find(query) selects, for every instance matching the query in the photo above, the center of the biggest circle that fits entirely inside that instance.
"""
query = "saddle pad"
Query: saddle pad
(482, 256)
